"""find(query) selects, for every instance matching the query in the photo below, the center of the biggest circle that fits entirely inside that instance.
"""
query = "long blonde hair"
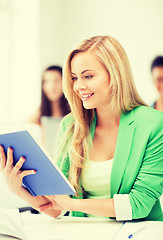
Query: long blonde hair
(124, 97)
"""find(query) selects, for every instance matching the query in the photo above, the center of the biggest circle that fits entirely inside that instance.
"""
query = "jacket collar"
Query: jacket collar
(123, 147)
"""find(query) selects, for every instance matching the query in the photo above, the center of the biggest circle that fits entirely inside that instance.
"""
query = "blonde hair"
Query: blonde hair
(124, 97)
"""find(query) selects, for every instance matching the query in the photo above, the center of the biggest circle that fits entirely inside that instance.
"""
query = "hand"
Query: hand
(59, 202)
(12, 174)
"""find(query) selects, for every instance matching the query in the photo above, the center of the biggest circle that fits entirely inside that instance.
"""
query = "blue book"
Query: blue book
(48, 179)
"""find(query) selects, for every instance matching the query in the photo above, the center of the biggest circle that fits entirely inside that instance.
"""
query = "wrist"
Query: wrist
(22, 191)
(75, 205)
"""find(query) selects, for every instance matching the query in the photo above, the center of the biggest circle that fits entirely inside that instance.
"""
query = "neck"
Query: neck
(107, 118)
(159, 104)
(56, 109)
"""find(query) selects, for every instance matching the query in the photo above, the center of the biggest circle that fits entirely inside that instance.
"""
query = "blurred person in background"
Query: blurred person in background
(157, 76)
(53, 108)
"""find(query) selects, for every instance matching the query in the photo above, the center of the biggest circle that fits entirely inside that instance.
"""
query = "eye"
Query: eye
(88, 76)
(74, 78)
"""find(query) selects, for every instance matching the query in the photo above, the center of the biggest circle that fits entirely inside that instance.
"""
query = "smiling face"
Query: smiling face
(90, 80)
(52, 85)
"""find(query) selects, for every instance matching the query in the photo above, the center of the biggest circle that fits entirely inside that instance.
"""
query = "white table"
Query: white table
(43, 227)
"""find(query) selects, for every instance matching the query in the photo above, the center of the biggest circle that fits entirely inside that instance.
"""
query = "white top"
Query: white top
(96, 179)
(96, 183)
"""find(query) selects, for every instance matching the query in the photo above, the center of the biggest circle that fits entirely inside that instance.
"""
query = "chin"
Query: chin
(88, 107)
(53, 99)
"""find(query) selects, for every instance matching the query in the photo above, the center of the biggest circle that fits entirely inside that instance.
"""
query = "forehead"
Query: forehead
(51, 74)
(85, 60)
(157, 72)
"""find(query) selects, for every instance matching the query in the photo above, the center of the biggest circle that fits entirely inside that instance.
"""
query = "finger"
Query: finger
(60, 198)
(19, 164)
(45, 207)
(9, 162)
(27, 172)
(2, 158)
(51, 196)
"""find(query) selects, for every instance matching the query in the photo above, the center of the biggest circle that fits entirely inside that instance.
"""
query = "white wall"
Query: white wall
(26, 56)
(35, 34)
(137, 24)
(5, 59)
(19, 58)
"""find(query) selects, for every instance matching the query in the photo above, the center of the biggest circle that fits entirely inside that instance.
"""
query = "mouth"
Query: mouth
(85, 97)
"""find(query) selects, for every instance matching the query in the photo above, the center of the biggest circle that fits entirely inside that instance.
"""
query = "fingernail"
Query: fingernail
(23, 158)
(34, 171)
(10, 149)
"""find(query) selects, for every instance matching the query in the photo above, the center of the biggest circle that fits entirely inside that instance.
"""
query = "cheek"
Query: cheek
(59, 88)
(45, 88)
(157, 85)
(74, 87)
(107, 88)
(160, 88)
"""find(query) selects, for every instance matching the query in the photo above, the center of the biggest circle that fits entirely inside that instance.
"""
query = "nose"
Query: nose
(80, 84)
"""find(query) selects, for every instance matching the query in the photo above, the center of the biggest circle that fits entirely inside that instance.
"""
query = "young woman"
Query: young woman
(53, 101)
(53, 108)
(110, 146)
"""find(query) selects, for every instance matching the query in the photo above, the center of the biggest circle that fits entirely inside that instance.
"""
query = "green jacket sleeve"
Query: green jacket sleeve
(148, 185)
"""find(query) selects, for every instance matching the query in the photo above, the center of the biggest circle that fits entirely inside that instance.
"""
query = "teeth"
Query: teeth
(88, 95)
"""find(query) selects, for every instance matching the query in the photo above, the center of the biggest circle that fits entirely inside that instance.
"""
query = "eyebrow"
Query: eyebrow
(83, 71)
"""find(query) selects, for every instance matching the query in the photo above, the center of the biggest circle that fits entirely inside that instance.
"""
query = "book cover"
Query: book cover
(49, 179)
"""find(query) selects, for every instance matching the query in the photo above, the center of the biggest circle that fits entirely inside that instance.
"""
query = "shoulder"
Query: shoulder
(35, 117)
(148, 115)
(148, 120)
(66, 122)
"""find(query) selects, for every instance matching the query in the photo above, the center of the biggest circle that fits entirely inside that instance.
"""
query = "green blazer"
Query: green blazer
(138, 161)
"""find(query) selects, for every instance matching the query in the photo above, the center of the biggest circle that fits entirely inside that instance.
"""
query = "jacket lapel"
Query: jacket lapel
(123, 147)
(122, 151)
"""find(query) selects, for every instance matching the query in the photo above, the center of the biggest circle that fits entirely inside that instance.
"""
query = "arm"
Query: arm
(35, 117)
(14, 176)
(99, 207)
(148, 185)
